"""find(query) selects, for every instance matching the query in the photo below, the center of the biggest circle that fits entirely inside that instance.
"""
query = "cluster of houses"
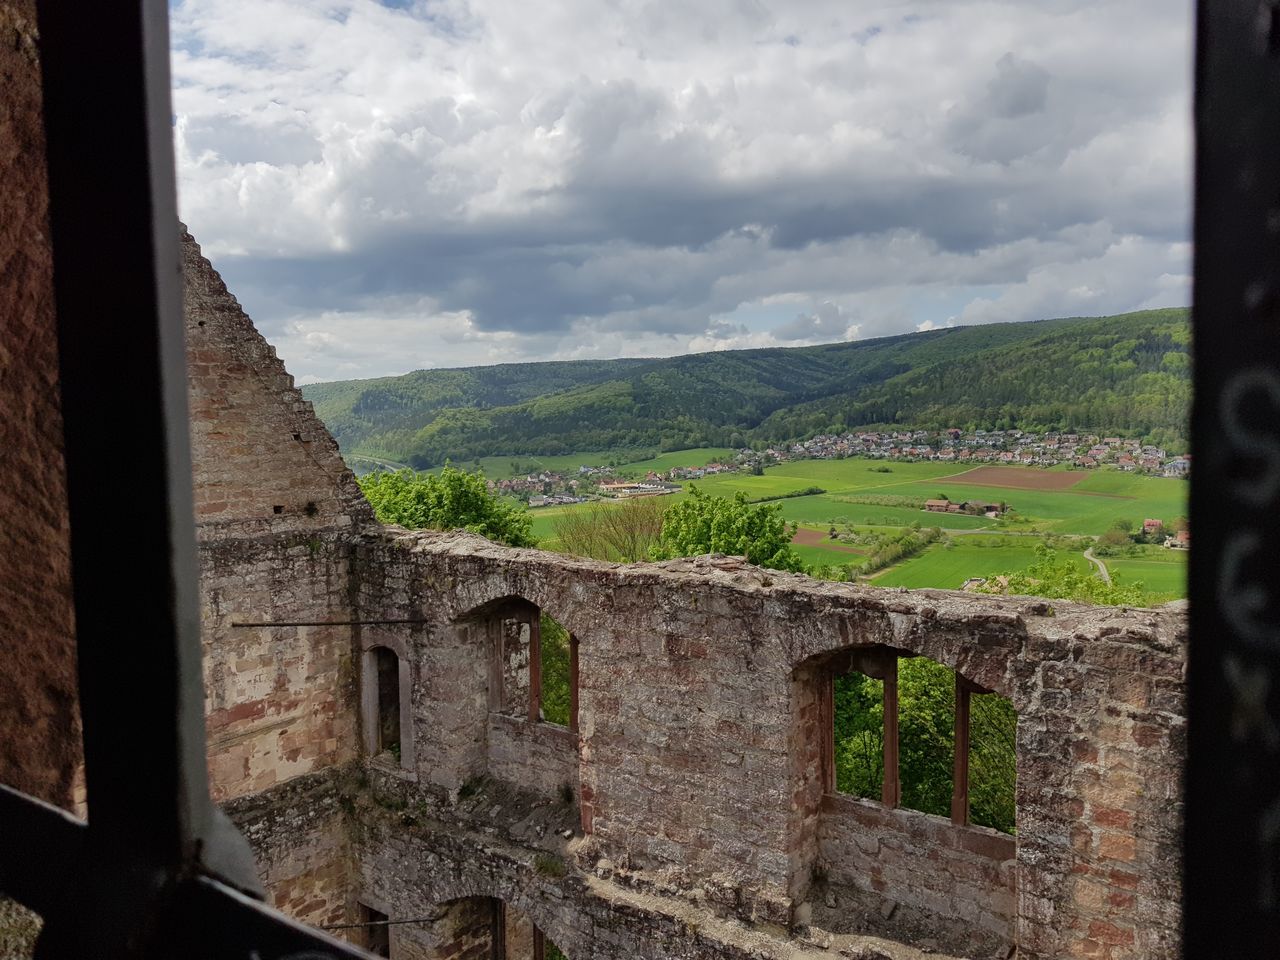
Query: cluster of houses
(549, 488)
(973, 507)
(985, 446)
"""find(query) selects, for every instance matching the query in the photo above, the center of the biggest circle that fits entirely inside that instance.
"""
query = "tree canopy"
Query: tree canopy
(1057, 577)
(449, 500)
(706, 524)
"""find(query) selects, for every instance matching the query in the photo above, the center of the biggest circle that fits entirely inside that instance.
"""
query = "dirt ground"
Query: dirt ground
(816, 538)
(1016, 478)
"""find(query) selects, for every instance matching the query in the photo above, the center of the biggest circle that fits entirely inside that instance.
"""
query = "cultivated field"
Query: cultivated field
(1019, 478)
(1055, 500)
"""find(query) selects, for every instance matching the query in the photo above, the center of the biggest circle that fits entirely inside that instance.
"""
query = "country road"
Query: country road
(1103, 572)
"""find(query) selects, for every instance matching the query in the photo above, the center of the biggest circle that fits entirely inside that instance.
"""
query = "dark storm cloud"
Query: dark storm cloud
(657, 178)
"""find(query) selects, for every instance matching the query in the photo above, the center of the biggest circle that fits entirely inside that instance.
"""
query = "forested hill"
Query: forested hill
(1127, 375)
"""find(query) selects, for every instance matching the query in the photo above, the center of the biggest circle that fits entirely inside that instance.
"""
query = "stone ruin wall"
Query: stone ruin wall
(694, 775)
(695, 770)
(697, 823)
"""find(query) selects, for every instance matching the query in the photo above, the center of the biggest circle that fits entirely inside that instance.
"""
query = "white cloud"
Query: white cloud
(459, 181)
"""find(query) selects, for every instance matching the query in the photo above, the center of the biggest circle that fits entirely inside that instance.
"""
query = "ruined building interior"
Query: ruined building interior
(372, 702)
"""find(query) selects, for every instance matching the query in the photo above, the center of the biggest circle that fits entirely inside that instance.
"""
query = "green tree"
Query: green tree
(555, 671)
(1057, 577)
(706, 524)
(449, 500)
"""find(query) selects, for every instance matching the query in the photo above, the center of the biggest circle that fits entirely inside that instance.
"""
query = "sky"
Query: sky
(394, 186)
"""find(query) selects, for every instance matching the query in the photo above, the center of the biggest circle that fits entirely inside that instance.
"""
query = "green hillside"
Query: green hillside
(1127, 375)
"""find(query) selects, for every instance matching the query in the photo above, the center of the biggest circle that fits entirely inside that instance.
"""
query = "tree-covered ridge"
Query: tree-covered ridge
(1127, 375)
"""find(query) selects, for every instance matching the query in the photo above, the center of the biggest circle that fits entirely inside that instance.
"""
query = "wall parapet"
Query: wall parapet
(688, 769)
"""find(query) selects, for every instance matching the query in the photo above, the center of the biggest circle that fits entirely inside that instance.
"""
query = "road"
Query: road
(1103, 572)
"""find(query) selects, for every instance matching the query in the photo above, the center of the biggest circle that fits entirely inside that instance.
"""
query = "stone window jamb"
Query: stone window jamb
(369, 696)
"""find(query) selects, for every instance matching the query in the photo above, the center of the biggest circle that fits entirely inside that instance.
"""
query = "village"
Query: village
(986, 446)
(544, 488)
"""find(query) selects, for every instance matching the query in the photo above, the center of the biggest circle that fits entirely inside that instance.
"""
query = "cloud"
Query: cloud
(641, 178)
(827, 323)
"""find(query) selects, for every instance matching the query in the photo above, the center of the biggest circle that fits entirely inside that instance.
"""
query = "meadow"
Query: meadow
(950, 564)
(1088, 506)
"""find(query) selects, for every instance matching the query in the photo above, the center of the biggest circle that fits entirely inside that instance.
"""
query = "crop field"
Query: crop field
(1055, 500)
(1019, 478)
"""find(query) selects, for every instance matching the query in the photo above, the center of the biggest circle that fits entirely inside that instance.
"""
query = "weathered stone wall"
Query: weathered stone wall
(262, 458)
(274, 507)
(698, 751)
(301, 842)
(918, 876)
(281, 701)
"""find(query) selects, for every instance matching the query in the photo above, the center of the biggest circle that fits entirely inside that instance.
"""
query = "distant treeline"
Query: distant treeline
(806, 492)
(1123, 376)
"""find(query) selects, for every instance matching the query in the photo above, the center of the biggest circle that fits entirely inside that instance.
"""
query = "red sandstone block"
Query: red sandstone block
(1108, 932)
(1117, 846)
(1123, 878)
(1113, 817)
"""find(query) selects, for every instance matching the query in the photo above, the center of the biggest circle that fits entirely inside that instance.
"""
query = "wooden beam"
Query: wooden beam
(891, 790)
(539, 945)
(535, 668)
(827, 729)
(960, 776)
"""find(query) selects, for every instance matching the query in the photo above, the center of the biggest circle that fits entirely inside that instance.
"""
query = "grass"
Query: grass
(949, 566)
(1159, 574)
(1088, 508)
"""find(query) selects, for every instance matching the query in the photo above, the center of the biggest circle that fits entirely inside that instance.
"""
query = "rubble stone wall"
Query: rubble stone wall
(300, 838)
(38, 683)
(698, 746)
(262, 457)
(281, 701)
(697, 766)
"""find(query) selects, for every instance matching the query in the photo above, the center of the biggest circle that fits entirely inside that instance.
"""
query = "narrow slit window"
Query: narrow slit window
(388, 713)
(557, 652)
(377, 932)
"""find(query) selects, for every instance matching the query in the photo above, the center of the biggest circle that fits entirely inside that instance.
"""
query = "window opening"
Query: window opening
(556, 693)
(516, 937)
(859, 735)
(912, 733)
(377, 932)
(388, 716)
(926, 735)
(538, 664)
(992, 756)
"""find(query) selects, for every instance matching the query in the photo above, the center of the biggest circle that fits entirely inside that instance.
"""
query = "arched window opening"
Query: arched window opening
(912, 733)
(387, 665)
(385, 694)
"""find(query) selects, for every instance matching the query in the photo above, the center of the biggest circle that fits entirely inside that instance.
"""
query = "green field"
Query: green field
(949, 566)
(1088, 508)
(1165, 573)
